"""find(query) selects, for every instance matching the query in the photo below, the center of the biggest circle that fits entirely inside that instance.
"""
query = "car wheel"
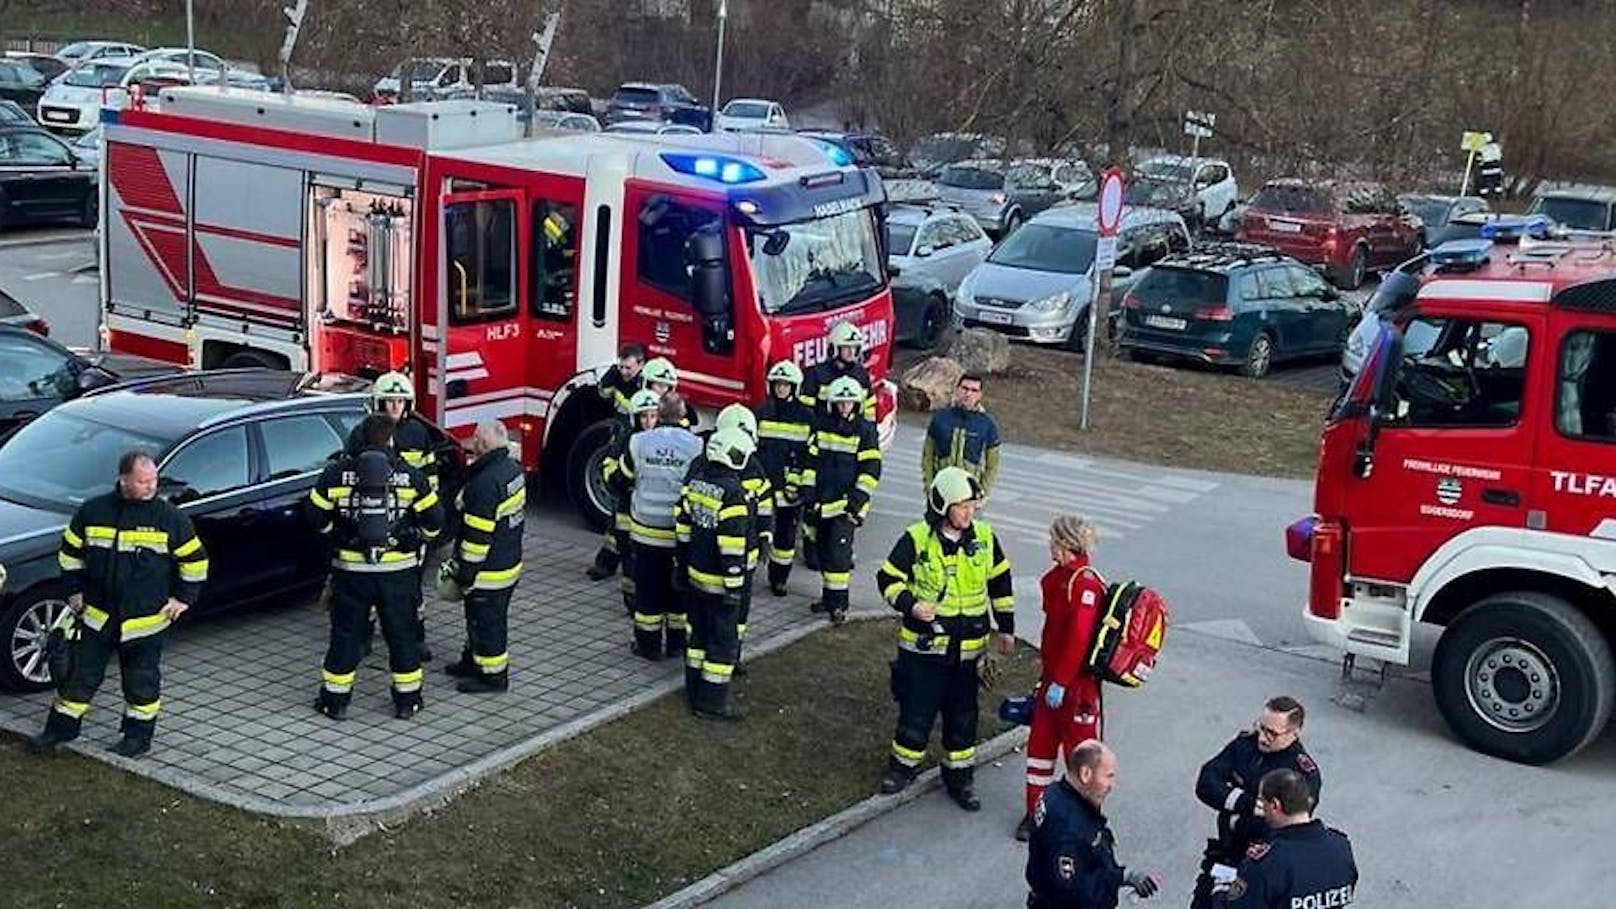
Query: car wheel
(1353, 277)
(250, 359)
(933, 324)
(23, 628)
(1077, 340)
(1524, 676)
(586, 481)
(1011, 222)
(1259, 357)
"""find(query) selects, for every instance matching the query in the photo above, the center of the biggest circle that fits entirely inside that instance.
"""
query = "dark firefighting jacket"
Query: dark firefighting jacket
(783, 430)
(827, 371)
(843, 467)
(492, 507)
(413, 511)
(716, 526)
(127, 558)
(968, 579)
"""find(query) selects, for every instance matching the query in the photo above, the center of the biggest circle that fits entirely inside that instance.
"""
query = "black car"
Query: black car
(13, 313)
(13, 114)
(1445, 217)
(20, 82)
(42, 180)
(37, 374)
(238, 450)
(668, 103)
(45, 64)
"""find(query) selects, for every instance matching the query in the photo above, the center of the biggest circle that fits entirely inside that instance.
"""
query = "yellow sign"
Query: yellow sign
(1473, 141)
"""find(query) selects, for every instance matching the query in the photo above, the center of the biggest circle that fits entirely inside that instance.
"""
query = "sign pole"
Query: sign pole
(1108, 220)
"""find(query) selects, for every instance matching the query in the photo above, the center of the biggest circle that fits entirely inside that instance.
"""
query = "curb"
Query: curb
(47, 240)
(832, 828)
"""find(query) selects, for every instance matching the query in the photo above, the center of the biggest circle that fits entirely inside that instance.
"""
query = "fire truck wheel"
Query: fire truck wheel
(1524, 676)
(586, 485)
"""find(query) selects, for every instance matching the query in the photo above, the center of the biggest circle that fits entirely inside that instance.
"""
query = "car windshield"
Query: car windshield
(1290, 197)
(751, 110)
(75, 50)
(1577, 214)
(96, 75)
(636, 96)
(822, 263)
(1159, 191)
(18, 73)
(900, 237)
(1166, 169)
(59, 460)
(1045, 247)
(970, 177)
(417, 70)
(1432, 210)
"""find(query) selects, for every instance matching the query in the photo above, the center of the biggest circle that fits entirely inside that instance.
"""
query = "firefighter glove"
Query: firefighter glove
(1143, 884)
(1054, 695)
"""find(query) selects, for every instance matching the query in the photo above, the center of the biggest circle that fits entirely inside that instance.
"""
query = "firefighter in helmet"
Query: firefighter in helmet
(840, 477)
(660, 376)
(492, 506)
(756, 480)
(618, 388)
(947, 575)
(381, 512)
(847, 350)
(784, 423)
(717, 531)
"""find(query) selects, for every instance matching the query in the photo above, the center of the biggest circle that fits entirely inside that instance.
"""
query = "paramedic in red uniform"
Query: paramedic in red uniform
(1067, 704)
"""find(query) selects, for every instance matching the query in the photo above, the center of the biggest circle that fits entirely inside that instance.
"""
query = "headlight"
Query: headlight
(964, 295)
(1355, 345)
(1052, 302)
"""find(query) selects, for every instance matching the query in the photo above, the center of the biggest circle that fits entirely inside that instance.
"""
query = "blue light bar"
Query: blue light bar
(1461, 253)
(838, 155)
(1513, 227)
(714, 167)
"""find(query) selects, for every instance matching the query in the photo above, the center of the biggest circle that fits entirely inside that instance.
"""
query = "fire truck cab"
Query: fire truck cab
(1467, 480)
(502, 272)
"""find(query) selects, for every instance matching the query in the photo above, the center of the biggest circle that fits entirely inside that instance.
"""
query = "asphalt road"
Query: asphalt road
(52, 271)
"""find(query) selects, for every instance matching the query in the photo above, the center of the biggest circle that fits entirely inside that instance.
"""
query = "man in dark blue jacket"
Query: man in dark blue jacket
(1304, 863)
(1071, 859)
(962, 435)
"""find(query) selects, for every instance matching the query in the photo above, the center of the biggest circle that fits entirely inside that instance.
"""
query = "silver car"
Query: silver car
(938, 242)
(1038, 283)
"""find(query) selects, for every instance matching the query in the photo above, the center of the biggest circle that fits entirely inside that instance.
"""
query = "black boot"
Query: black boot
(964, 795)
(894, 779)
(333, 706)
(484, 684)
(777, 578)
(644, 648)
(693, 685)
(1024, 829)
(465, 668)
(407, 704)
(715, 703)
(605, 566)
(674, 647)
(58, 731)
(131, 746)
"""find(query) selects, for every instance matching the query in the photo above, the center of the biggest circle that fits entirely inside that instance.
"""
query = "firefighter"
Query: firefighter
(488, 560)
(618, 388)
(381, 512)
(1228, 785)
(840, 477)
(131, 565)
(1303, 862)
(1067, 707)
(847, 344)
(784, 423)
(962, 435)
(1071, 860)
(643, 411)
(756, 480)
(946, 575)
(661, 377)
(656, 464)
(717, 527)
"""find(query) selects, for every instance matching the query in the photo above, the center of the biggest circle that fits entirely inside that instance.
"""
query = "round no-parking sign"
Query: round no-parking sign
(1110, 214)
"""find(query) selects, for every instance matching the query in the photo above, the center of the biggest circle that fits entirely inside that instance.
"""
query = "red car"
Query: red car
(1348, 229)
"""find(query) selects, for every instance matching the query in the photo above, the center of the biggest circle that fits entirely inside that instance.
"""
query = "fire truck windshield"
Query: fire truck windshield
(816, 264)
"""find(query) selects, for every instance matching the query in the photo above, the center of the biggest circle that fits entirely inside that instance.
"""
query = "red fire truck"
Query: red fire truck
(1467, 480)
(243, 229)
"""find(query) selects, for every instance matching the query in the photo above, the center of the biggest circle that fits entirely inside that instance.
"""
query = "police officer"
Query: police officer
(756, 480)
(131, 564)
(380, 512)
(784, 423)
(488, 560)
(842, 472)
(656, 463)
(962, 435)
(617, 387)
(1228, 785)
(846, 360)
(945, 575)
(643, 409)
(1303, 865)
(1071, 856)
(717, 529)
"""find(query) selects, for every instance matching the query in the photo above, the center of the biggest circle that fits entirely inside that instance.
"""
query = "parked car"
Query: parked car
(80, 51)
(238, 451)
(443, 78)
(931, 154)
(42, 180)
(87, 147)
(73, 103)
(566, 121)
(45, 64)
(1589, 212)
(744, 114)
(1347, 229)
(930, 250)
(38, 374)
(547, 98)
(210, 68)
(1037, 284)
(21, 83)
(1234, 305)
(999, 195)
(16, 315)
(1211, 184)
(1443, 217)
(13, 114)
(657, 102)
(652, 128)
(1171, 193)
(867, 149)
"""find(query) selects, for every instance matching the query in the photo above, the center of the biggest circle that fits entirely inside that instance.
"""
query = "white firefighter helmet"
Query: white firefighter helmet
(844, 388)
(644, 401)
(738, 416)
(788, 372)
(730, 447)
(392, 386)
(951, 486)
(660, 369)
(846, 334)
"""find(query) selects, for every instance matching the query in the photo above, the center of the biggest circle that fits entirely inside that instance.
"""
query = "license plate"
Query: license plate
(996, 318)
(58, 115)
(1286, 227)
(1167, 322)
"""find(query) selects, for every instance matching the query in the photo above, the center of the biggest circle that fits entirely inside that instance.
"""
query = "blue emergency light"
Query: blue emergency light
(838, 155)
(1514, 227)
(1461, 254)
(714, 167)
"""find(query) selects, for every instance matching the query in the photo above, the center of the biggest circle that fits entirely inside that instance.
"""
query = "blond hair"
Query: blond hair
(1069, 531)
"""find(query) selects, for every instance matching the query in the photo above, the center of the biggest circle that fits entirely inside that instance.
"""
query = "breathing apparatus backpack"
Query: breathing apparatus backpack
(374, 504)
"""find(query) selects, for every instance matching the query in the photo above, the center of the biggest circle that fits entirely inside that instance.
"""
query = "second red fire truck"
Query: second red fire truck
(244, 229)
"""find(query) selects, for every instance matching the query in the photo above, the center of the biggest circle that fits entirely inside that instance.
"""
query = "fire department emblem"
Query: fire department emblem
(664, 331)
(1449, 491)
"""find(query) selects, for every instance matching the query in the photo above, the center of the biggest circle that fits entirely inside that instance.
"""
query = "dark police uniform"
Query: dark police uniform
(783, 428)
(493, 507)
(127, 558)
(1228, 785)
(1303, 866)
(1071, 858)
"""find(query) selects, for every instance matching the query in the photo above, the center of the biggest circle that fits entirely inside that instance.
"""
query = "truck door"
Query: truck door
(481, 371)
(1574, 481)
(1452, 448)
(554, 230)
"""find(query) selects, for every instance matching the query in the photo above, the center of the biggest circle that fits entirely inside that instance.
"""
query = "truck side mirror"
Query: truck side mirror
(709, 286)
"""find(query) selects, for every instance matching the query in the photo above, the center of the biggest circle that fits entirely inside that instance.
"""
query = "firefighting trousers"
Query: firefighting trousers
(657, 608)
(715, 643)
(139, 665)
(1055, 732)
(835, 544)
(784, 548)
(626, 583)
(926, 686)
(393, 594)
(487, 616)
